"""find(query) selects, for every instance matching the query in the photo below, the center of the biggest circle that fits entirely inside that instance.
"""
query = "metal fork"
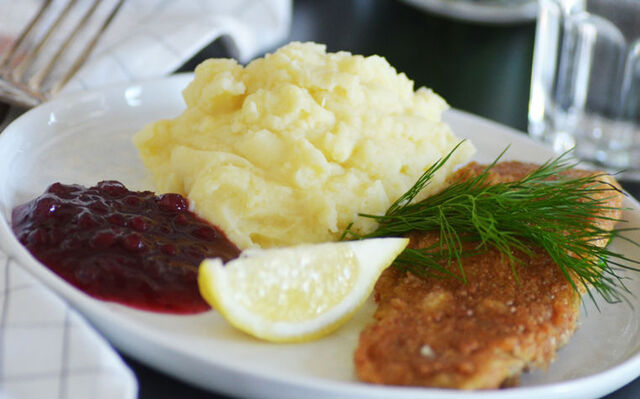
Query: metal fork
(36, 66)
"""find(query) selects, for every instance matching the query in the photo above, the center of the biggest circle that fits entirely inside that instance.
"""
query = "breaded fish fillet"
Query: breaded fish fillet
(482, 334)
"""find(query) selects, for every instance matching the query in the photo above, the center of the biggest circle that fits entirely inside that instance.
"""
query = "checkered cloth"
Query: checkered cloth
(48, 350)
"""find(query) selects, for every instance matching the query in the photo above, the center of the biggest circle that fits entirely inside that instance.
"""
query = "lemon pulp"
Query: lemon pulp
(296, 293)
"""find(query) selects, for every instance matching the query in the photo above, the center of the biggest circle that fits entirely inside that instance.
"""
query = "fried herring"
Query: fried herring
(482, 334)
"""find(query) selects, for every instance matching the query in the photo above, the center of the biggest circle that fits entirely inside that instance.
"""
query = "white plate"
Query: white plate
(85, 138)
(484, 11)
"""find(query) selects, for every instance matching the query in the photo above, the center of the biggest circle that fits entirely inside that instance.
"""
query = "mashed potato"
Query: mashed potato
(291, 148)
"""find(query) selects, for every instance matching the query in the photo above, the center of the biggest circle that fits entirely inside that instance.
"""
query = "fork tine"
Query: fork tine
(21, 69)
(87, 50)
(44, 58)
(40, 75)
(14, 46)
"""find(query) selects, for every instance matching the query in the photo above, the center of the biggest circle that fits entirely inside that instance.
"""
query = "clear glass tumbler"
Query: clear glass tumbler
(585, 82)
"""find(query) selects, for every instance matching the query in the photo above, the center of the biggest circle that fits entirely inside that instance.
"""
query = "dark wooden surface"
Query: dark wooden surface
(478, 68)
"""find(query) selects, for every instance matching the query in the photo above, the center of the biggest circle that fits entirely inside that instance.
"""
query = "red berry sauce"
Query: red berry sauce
(134, 248)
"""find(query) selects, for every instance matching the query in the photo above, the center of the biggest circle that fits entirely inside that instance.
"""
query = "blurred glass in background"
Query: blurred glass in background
(585, 83)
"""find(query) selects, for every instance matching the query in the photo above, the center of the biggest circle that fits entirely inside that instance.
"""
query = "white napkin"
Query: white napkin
(47, 350)
(154, 37)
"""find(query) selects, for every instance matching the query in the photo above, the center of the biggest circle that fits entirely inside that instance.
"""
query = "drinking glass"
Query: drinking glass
(585, 82)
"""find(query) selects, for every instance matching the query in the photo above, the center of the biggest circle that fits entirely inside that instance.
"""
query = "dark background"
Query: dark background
(479, 68)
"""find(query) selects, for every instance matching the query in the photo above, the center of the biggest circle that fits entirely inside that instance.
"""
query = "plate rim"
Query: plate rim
(479, 12)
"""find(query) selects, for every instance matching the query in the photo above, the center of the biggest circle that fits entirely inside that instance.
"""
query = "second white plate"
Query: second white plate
(482, 11)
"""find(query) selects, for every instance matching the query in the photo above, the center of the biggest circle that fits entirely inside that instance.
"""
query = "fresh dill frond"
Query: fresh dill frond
(547, 208)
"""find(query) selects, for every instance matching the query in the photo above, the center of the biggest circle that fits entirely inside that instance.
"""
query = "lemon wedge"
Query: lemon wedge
(297, 293)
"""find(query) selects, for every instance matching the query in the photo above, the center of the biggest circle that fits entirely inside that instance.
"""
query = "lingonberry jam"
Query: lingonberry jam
(134, 248)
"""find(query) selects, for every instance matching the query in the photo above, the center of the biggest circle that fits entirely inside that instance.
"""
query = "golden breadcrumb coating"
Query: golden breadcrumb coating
(479, 335)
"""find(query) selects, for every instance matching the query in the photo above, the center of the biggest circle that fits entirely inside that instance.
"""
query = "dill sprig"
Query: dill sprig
(545, 209)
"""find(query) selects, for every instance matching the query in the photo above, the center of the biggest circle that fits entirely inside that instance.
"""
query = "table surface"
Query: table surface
(483, 69)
